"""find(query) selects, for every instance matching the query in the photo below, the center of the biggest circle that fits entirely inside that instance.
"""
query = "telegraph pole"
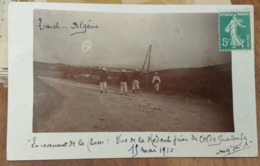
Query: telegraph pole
(148, 55)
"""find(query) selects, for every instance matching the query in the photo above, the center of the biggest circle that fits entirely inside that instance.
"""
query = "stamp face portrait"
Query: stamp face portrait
(234, 31)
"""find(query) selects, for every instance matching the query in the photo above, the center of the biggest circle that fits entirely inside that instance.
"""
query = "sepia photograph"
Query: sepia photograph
(130, 72)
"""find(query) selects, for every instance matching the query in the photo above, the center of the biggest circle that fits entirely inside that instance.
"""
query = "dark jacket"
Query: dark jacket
(136, 76)
(123, 78)
(103, 77)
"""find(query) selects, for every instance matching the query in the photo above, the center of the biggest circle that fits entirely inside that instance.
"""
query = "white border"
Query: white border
(20, 97)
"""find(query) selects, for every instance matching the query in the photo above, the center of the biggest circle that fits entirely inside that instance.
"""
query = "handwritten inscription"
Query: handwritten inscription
(44, 26)
(232, 149)
(67, 144)
(237, 143)
(75, 27)
(242, 144)
(34, 144)
(82, 27)
(156, 144)
(136, 150)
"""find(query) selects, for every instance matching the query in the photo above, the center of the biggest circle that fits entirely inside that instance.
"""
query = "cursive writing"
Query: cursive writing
(75, 27)
(154, 144)
(232, 149)
(43, 25)
(82, 27)
(137, 150)
(34, 144)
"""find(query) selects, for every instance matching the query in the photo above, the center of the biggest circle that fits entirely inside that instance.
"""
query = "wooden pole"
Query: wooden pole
(147, 54)
(148, 67)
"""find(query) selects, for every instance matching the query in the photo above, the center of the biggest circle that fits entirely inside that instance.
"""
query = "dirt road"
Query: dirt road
(68, 106)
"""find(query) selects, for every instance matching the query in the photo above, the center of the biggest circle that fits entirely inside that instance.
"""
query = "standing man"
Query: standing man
(103, 77)
(123, 80)
(156, 82)
(135, 81)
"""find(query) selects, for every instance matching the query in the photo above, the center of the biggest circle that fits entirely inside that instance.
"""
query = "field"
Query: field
(65, 101)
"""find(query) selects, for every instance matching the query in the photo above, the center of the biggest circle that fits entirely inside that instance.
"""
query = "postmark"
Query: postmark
(234, 31)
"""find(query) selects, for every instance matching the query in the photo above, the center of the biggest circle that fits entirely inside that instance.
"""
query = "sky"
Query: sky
(121, 40)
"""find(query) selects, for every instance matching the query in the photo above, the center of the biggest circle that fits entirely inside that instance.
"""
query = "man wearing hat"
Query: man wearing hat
(123, 80)
(135, 81)
(103, 77)
(156, 82)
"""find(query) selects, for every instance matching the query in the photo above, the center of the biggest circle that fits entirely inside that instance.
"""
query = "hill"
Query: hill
(211, 82)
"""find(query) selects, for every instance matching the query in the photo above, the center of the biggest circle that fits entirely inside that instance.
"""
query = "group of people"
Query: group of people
(124, 82)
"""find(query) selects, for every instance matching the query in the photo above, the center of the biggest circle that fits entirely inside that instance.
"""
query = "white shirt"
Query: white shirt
(156, 77)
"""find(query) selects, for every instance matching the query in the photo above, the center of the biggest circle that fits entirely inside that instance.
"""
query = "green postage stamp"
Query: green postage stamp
(234, 31)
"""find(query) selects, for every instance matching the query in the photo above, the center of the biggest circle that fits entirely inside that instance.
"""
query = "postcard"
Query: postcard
(130, 81)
